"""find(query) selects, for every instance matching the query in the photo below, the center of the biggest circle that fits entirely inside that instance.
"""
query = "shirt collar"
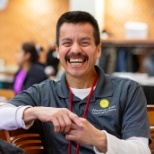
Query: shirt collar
(104, 87)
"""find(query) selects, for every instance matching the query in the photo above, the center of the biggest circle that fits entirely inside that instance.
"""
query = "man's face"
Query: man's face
(77, 50)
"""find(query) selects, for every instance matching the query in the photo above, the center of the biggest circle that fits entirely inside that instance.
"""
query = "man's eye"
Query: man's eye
(66, 44)
(84, 43)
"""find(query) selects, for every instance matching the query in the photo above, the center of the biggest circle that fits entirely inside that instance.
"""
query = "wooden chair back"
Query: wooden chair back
(27, 140)
(150, 109)
(30, 143)
(4, 135)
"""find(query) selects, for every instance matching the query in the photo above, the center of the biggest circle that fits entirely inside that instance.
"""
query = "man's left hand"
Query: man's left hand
(88, 134)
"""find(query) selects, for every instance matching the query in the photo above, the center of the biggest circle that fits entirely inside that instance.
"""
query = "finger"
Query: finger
(68, 123)
(71, 137)
(74, 127)
(72, 132)
(75, 119)
(56, 125)
(62, 124)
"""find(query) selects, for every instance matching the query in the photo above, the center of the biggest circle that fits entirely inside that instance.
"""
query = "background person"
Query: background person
(52, 62)
(30, 70)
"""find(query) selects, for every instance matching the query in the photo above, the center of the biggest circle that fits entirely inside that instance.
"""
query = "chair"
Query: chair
(30, 143)
(150, 110)
(27, 140)
(7, 93)
(4, 135)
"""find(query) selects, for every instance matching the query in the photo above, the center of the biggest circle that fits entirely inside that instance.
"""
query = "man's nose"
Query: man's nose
(76, 48)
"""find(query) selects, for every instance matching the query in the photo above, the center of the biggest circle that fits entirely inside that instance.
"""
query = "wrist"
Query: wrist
(101, 142)
(29, 115)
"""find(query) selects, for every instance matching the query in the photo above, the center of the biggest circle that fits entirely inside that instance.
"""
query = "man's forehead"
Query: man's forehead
(75, 28)
(75, 25)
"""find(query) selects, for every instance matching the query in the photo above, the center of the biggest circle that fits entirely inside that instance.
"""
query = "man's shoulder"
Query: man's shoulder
(48, 84)
(122, 81)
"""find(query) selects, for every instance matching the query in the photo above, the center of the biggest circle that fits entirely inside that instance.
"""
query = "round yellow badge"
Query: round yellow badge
(104, 103)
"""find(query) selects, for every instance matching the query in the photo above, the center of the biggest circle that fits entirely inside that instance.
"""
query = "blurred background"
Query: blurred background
(24, 20)
(126, 29)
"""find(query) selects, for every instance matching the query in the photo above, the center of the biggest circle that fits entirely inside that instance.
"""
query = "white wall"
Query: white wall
(95, 7)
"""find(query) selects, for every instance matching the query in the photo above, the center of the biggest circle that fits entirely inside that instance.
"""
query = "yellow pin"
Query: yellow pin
(104, 103)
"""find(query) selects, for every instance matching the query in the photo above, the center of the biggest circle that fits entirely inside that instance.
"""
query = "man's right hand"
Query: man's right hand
(61, 118)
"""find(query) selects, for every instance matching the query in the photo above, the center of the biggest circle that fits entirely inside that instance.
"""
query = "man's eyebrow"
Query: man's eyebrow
(82, 39)
(66, 39)
(85, 38)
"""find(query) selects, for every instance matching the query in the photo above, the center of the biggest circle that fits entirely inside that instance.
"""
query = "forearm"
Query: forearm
(11, 116)
(137, 145)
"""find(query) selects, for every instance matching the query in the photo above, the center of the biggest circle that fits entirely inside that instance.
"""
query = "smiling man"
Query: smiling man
(78, 52)
(86, 112)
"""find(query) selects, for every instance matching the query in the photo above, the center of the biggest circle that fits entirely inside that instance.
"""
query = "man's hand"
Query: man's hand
(61, 118)
(88, 134)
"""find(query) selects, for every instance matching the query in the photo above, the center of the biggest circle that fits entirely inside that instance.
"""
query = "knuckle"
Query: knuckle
(74, 116)
(56, 125)
(68, 124)
(62, 124)
(64, 109)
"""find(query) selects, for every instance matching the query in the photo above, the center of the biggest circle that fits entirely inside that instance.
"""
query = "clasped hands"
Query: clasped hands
(76, 128)
(64, 121)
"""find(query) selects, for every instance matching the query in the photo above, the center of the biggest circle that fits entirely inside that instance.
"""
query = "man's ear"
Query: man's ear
(99, 50)
(57, 50)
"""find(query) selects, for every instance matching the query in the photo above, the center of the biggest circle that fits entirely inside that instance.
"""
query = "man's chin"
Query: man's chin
(75, 74)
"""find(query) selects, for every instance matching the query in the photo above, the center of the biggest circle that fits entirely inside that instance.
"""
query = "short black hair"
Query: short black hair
(31, 47)
(78, 17)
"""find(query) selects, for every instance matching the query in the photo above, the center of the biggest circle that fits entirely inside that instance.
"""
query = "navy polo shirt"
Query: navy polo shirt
(117, 105)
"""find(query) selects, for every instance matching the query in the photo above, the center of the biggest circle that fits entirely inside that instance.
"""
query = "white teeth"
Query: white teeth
(76, 60)
(76, 64)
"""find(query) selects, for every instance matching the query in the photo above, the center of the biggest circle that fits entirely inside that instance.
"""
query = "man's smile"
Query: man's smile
(76, 59)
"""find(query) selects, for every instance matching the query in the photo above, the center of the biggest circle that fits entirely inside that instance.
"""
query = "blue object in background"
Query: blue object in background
(121, 60)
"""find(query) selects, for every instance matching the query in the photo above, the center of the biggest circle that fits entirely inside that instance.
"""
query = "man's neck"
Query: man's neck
(81, 82)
